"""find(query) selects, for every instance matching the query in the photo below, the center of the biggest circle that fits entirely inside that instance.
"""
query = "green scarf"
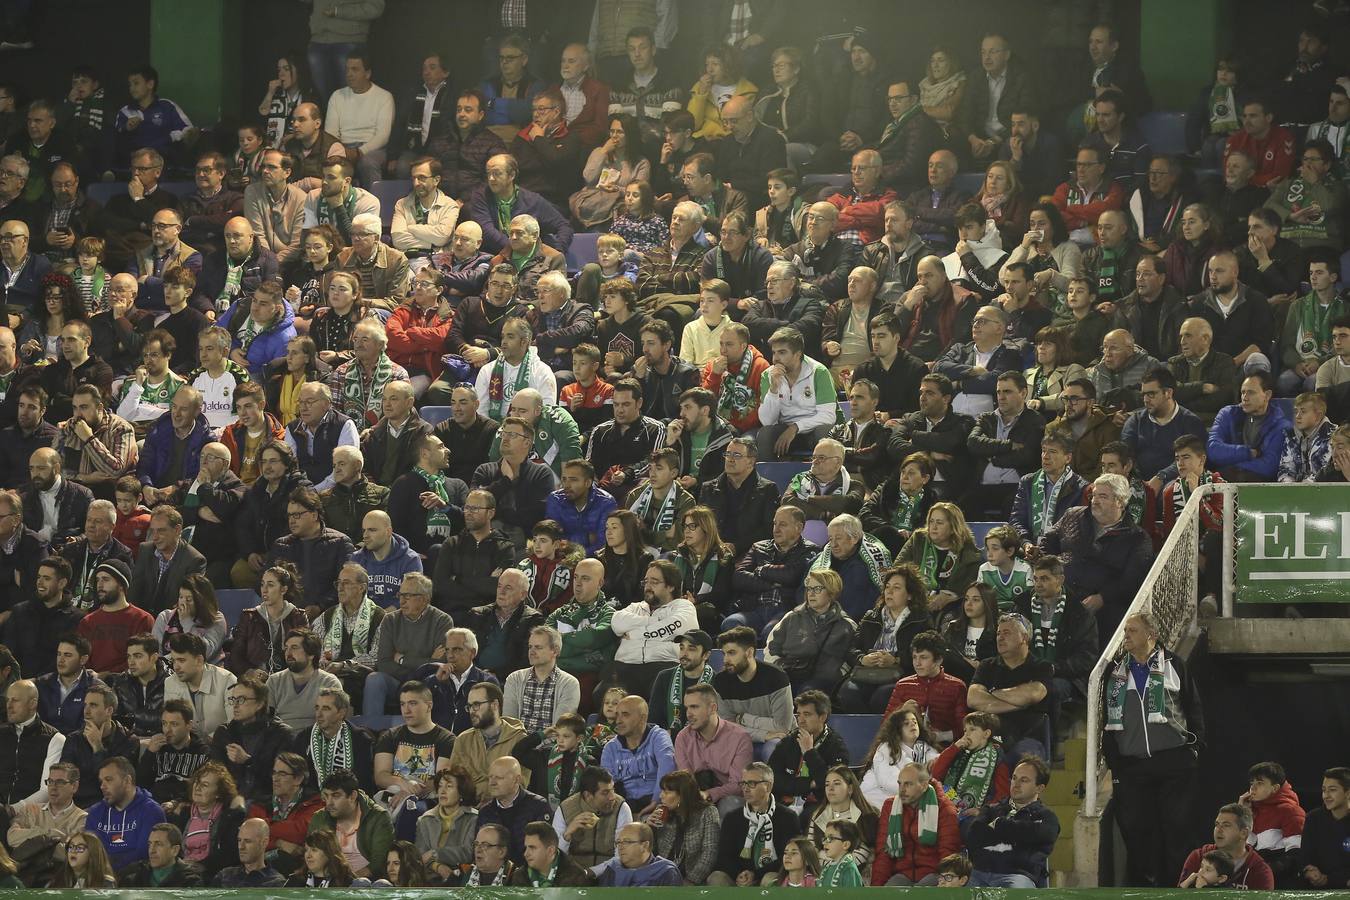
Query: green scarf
(538, 879)
(675, 698)
(247, 332)
(1042, 644)
(1223, 117)
(705, 573)
(438, 523)
(1314, 332)
(504, 208)
(843, 873)
(935, 573)
(972, 785)
(1107, 288)
(665, 516)
(875, 556)
(328, 756)
(804, 485)
(759, 848)
(1043, 505)
(341, 217)
(359, 403)
(902, 517)
(736, 397)
(498, 398)
(927, 823)
(519, 260)
(1155, 692)
(332, 639)
(556, 758)
(234, 276)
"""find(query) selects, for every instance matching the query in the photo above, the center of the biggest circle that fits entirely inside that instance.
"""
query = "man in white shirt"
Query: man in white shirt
(361, 116)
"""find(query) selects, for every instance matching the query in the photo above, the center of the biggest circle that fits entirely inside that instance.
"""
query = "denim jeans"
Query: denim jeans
(995, 879)
(328, 67)
(761, 619)
(378, 687)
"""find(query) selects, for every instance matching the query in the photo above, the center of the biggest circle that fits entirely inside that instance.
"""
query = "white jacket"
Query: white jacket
(808, 403)
(647, 635)
(881, 780)
(213, 710)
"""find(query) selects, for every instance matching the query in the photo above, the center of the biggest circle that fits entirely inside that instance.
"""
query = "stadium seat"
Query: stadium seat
(234, 602)
(1165, 132)
(1345, 266)
(179, 188)
(816, 531)
(840, 180)
(389, 193)
(582, 250)
(970, 182)
(847, 409)
(980, 529)
(377, 723)
(103, 191)
(716, 658)
(857, 733)
(435, 415)
(1286, 404)
(780, 473)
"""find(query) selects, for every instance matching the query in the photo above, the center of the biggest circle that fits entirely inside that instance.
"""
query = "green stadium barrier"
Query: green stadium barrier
(681, 893)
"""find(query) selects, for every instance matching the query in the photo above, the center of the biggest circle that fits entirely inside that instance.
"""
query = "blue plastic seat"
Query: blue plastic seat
(716, 658)
(969, 182)
(103, 191)
(233, 602)
(582, 250)
(857, 733)
(980, 530)
(816, 531)
(780, 473)
(388, 193)
(1286, 404)
(179, 188)
(435, 415)
(1164, 131)
(377, 723)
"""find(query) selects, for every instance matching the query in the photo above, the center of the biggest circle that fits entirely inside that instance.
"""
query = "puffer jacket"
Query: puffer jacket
(1304, 457)
(269, 345)
(1226, 446)
(808, 645)
(918, 859)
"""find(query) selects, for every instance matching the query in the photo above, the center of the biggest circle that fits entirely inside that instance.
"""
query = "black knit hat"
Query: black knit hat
(117, 569)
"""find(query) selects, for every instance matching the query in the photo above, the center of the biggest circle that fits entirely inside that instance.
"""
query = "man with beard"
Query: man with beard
(27, 433)
(646, 629)
(20, 551)
(292, 693)
(54, 508)
(668, 690)
(163, 561)
(195, 681)
(101, 739)
(172, 754)
(336, 202)
(465, 149)
(34, 625)
(490, 738)
(114, 621)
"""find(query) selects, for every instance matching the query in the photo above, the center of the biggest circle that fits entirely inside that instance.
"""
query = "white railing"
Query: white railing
(1168, 594)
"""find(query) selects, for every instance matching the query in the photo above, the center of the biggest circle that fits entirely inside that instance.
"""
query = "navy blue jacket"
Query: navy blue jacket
(68, 715)
(157, 453)
(554, 228)
(1032, 832)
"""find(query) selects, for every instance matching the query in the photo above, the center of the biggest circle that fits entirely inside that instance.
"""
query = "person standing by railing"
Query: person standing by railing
(1154, 730)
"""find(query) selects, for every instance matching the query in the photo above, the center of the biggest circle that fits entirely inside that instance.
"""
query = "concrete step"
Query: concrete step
(1061, 795)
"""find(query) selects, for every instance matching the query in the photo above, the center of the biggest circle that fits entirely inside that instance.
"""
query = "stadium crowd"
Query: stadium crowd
(517, 504)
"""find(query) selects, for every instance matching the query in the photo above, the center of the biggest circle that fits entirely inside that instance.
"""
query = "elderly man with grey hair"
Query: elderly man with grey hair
(823, 257)
(559, 323)
(530, 256)
(974, 366)
(788, 301)
(451, 677)
(383, 270)
(1105, 555)
(500, 190)
(669, 274)
(358, 384)
(410, 637)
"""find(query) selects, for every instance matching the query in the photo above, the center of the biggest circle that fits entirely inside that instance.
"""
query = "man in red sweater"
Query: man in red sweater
(1090, 193)
(1270, 146)
(1232, 825)
(942, 697)
(111, 626)
(862, 208)
(914, 838)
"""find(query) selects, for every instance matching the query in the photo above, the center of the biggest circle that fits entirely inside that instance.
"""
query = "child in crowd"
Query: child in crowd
(840, 869)
(1191, 457)
(90, 278)
(590, 398)
(1277, 820)
(602, 724)
(549, 566)
(1307, 444)
(801, 864)
(1087, 326)
(1216, 867)
(1007, 573)
(700, 341)
(660, 503)
(954, 871)
(133, 519)
(556, 757)
(614, 261)
(973, 768)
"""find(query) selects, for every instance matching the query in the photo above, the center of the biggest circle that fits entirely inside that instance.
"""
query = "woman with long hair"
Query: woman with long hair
(307, 273)
(403, 866)
(880, 652)
(1054, 368)
(637, 221)
(705, 562)
(285, 92)
(944, 553)
(611, 167)
(625, 558)
(904, 737)
(298, 367)
(40, 336)
(1002, 199)
(800, 864)
(324, 864)
(260, 637)
(210, 819)
(445, 832)
(1187, 257)
(970, 635)
(942, 87)
(86, 864)
(845, 800)
(1053, 258)
(687, 827)
(196, 612)
(721, 80)
(333, 322)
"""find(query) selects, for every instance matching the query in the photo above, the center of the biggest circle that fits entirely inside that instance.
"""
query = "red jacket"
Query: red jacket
(1084, 215)
(919, 860)
(131, 530)
(1002, 778)
(1273, 157)
(592, 126)
(713, 382)
(866, 214)
(1277, 821)
(234, 435)
(942, 699)
(1211, 514)
(417, 339)
(294, 827)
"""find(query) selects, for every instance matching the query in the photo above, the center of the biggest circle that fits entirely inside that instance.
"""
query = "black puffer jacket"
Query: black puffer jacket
(262, 739)
(262, 517)
(139, 705)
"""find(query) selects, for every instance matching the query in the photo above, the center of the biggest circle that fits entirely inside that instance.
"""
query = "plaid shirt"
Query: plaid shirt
(110, 451)
(513, 13)
(536, 703)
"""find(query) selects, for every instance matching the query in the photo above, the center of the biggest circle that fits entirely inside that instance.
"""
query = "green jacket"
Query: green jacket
(588, 642)
(373, 836)
(556, 439)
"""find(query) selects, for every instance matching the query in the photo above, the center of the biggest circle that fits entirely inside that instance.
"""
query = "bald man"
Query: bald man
(862, 208)
(974, 366)
(935, 206)
(511, 806)
(639, 756)
(53, 506)
(749, 151)
(253, 870)
(1112, 260)
(941, 308)
(386, 557)
(23, 270)
(823, 258)
(1119, 372)
(1206, 378)
(245, 263)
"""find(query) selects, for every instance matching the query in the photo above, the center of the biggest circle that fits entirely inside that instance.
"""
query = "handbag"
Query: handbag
(457, 368)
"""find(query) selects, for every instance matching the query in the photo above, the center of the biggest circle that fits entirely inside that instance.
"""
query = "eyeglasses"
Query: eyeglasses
(830, 839)
(948, 878)
(735, 457)
(77, 848)
(164, 226)
(474, 704)
(812, 589)
(57, 782)
(1068, 398)
(627, 842)
(349, 582)
(406, 595)
(475, 508)
(239, 701)
(745, 783)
